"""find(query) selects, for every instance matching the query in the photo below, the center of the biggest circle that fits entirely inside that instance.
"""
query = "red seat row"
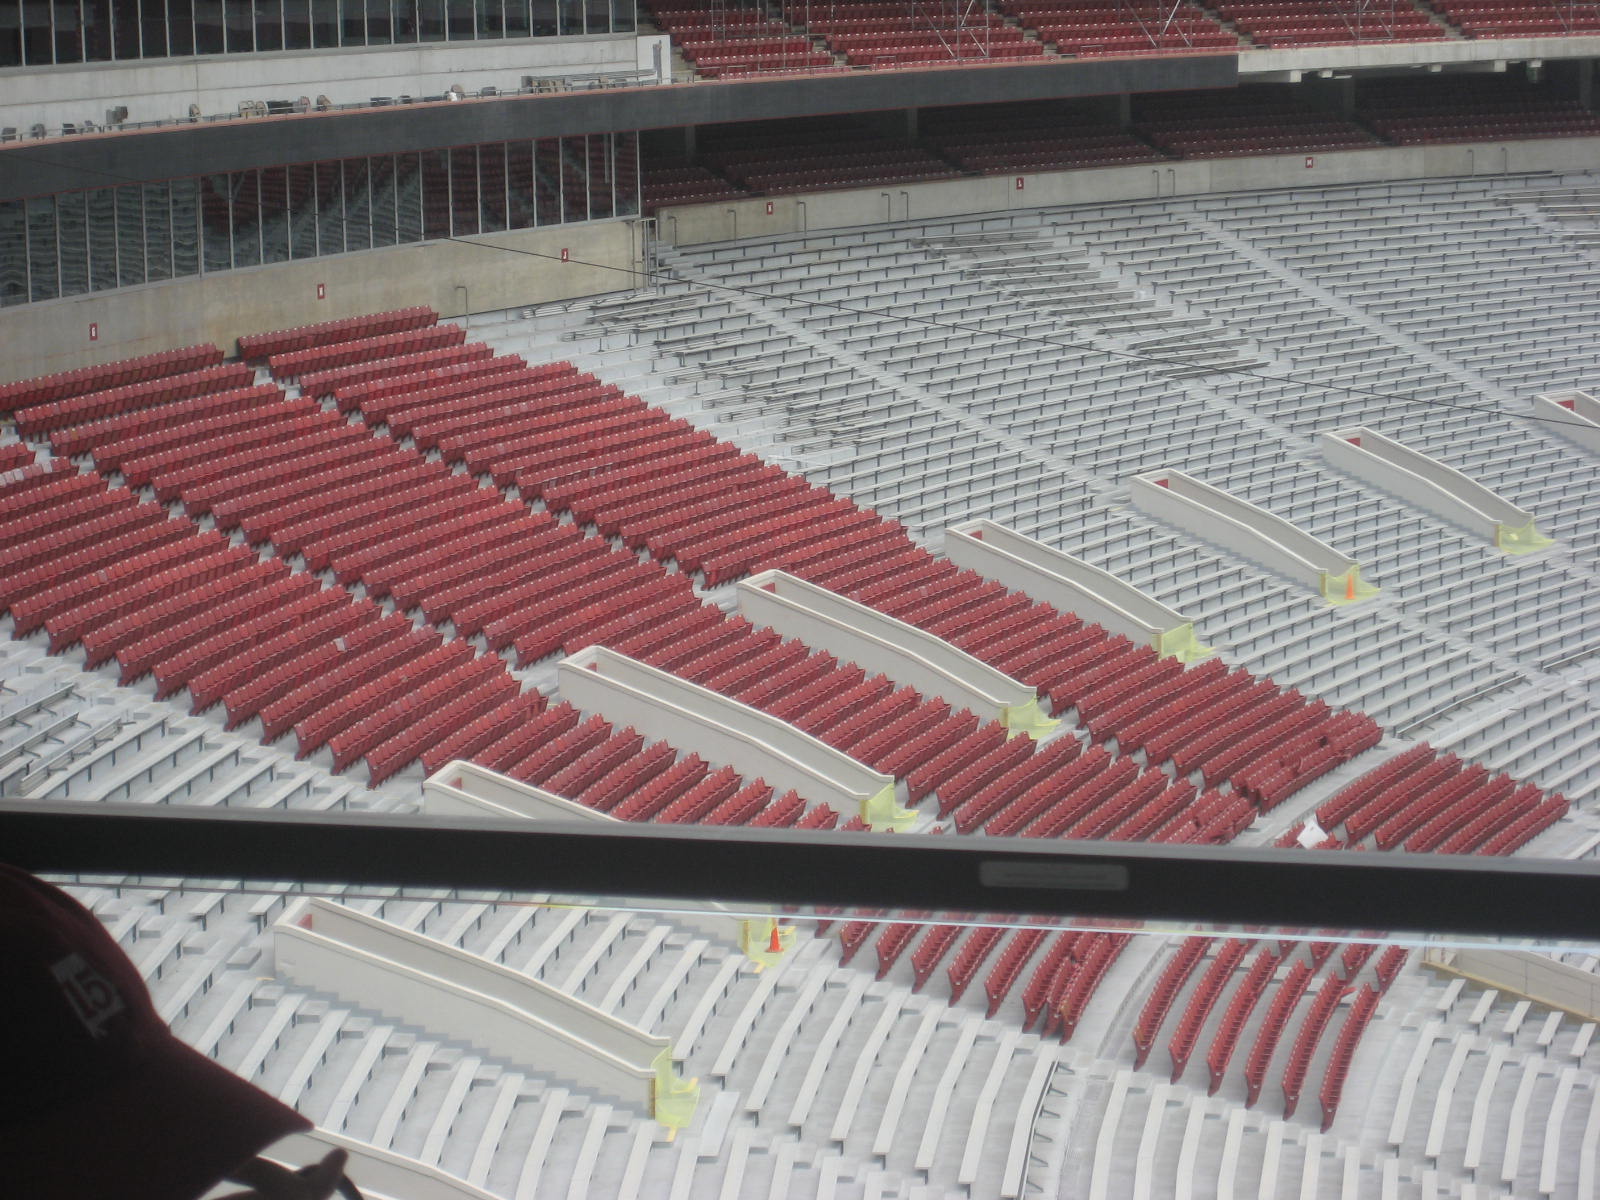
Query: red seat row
(1284, 1000)
(258, 347)
(1333, 990)
(294, 363)
(126, 398)
(1204, 999)
(329, 381)
(1245, 997)
(44, 388)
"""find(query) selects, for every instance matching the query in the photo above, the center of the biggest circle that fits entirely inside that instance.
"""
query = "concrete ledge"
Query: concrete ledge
(1225, 520)
(332, 948)
(464, 789)
(1492, 52)
(1069, 584)
(1431, 485)
(877, 642)
(757, 745)
(1575, 416)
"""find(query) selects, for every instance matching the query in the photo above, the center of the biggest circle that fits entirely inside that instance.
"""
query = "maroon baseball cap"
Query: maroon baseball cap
(98, 1100)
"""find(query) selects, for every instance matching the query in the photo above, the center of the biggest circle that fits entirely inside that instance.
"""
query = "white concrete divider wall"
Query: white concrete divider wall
(1069, 584)
(879, 643)
(416, 979)
(723, 731)
(379, 1174)
(1573, 414)
(1537, 977)
(464, 789)
(1430, 484)
(1225, 520)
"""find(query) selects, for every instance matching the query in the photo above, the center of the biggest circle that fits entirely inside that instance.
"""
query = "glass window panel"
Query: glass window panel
(324, 23)
(404, 25)
(180, 26)
(491, 23)
(625, 170)
(159, 232)
(357, 205)
(38, 42)
(571, 18)
(68, 26)
(519, 179)
(100, 229)
(623, 17)
(353, 22)
(492, 186)
(125, 28)
(330, 208)
(208, 26)
(599, 16)
(240, 25)
(185, 226)
(378, 23)
(296, 24)
(545, 21)
(96, 30)
(43, 273)
(130, 235)
(382, 177)
(273, 216)
(459, 19)
(464, 214)
(518, 18)
(408, 202)
(153, 29)
(72, 216)
(435, 194)
(302, 211)
(599, 175)
(246, 209)
(13, 252)
(430, 20)
(574, 185)
(269, 24)
(214, 221)
(547, 180)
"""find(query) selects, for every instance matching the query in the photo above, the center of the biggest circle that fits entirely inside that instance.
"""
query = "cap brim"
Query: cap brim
(166, 1131)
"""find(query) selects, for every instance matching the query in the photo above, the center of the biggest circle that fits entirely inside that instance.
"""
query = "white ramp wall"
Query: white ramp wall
(1225, 520)
(1069, 584)
(1430, 484)
(1537, 977)
(879, 643)
(1573, 415)
(416, 979)
(721, 730)
(464, 789)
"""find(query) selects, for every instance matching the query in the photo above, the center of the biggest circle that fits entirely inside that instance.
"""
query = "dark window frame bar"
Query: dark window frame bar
(1354, 891)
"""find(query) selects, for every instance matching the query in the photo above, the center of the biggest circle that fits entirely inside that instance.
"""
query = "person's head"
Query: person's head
(98, 1100)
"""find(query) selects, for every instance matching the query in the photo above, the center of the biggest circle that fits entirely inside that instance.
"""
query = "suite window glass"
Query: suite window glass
(121, 236)
(42, 32)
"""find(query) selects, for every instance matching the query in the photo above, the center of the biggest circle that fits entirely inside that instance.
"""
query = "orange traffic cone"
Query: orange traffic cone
(1350, 585)
(775, 945)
